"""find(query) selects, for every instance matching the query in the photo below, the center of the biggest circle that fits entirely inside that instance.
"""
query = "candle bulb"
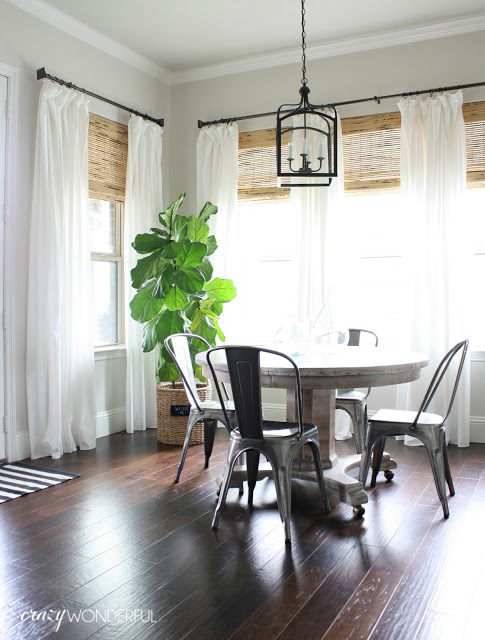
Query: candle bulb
(305, 147)
(320, 151)
(290, 151)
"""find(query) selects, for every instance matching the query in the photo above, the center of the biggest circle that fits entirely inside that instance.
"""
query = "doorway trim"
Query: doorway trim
(8, 321)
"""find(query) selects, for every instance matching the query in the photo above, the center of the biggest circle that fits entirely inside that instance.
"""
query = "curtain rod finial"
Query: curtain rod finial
(41, 73)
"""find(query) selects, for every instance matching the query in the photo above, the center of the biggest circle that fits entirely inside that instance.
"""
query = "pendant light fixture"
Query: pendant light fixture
(306, 137)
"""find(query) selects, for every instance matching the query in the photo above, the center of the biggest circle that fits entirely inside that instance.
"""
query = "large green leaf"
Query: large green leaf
(221, 290)
(179, 228)
(211, 245)
(148, 242)
(191, 309)
(167, 371)
(172, 250)
(168, 323)
(166, 218)
(164, 282)
(175, 299)
(145, 269)
(149, 335)
(197, 230)
(160, 232)
(189, 279)
(213, 319)
(207, 211)
(202, 326)
(206, 270)
(193, 254)
(144, 306)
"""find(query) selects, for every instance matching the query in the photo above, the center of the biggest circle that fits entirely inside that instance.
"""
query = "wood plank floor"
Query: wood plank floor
(122, 552)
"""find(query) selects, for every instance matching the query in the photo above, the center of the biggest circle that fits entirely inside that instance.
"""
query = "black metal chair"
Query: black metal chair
(355, 402)
(208, 411)
(277, 441)
(427, 427)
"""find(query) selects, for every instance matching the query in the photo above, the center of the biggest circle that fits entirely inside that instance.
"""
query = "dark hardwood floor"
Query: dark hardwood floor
(133, 556)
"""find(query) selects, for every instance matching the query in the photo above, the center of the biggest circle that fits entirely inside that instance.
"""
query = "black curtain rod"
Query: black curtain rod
(41, 73)
(340, 104)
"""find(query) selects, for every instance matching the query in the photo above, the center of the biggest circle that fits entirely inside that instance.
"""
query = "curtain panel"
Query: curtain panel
(143, 203)
(433, 181)
(60, 346)
(217, 175)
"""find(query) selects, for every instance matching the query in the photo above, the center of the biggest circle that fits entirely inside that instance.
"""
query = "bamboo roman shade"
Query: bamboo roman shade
(474, 116)
(372, 152)
(257, 167)
(107, 158)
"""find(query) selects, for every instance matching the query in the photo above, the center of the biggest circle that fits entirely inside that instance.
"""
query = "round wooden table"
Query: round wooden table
(323, 369)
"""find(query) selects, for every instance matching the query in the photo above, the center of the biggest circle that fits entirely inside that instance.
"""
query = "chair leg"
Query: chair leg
(436, 457)
(252, 465)
(282, 476)
(366, 456)
(446, 463)
(193, 418)
(377, 459)
(210, 427)
(321, 480)
(224, 488)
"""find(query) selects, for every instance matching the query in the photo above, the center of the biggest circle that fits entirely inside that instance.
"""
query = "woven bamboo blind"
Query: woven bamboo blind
(372, 152)
(107, 158)
(474, 116)
(257, 167)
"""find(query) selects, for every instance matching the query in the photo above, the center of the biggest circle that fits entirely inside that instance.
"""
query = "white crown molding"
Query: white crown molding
(75, 28)
(342, 47)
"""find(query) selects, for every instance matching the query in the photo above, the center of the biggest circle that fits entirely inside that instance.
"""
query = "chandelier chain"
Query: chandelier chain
(303, 43)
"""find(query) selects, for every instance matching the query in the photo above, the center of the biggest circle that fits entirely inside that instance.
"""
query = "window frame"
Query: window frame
(116, 256)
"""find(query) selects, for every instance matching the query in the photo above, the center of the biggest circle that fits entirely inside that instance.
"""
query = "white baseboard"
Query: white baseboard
(477, 429)
(109, 422)
(273, 411)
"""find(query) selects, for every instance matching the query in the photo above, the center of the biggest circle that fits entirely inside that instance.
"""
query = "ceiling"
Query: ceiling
(189, 34)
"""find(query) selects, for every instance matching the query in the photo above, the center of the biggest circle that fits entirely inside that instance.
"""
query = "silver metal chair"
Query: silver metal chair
(427, 427)
(355, 402)
(277, 441)
(208, 411)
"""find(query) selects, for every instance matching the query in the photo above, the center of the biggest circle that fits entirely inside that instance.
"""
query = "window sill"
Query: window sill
(110, 353)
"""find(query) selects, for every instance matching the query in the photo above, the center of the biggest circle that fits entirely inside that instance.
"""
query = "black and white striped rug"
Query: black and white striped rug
(17, 479)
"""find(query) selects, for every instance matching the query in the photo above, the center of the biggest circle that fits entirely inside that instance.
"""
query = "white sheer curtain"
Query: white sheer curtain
(433, 172)
(217, 182)
(60, 346)
(143, 203)
(217, 174)
(317, 258)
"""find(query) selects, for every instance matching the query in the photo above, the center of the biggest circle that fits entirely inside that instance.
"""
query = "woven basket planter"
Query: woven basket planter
(171, 401)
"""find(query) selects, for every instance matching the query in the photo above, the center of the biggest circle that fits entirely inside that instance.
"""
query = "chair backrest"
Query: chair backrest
(244, 368)
(356, 334)
(440, 374)
(178, 347)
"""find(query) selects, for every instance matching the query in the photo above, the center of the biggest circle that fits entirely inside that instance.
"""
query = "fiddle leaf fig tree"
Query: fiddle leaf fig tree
(176, 291)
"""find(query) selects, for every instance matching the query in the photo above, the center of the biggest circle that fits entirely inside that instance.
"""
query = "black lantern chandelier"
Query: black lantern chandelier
(306, 137)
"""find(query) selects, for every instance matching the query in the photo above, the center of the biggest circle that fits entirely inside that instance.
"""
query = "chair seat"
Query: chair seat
(275, 430)
(396, 416)
(211, 405)
(350, 396)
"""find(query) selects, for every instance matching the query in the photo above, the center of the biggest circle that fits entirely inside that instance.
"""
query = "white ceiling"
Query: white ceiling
(182, 35)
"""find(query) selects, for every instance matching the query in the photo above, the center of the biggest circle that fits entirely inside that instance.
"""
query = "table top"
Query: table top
(332, 366)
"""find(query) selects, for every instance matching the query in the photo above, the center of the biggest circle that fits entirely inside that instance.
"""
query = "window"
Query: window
(371, 147)
(107, 154)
